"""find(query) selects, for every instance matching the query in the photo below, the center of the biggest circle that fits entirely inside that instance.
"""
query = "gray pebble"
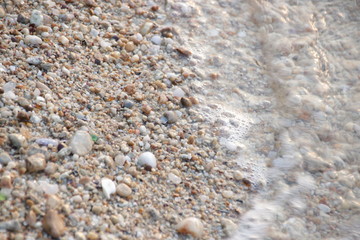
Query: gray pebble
(34, 60)
(5, 158)
(81, 143)
(12, 225)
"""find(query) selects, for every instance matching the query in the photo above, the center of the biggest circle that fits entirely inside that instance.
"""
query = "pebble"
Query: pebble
(53, 224)
(81, 143)
(130, 46)
(92, 236)
(34, 60)
(237, 175)
(63, 40)
(47, 142)
(5, 158)
(35, 163)
(174, 179)
(146, 28)
(147, 159)
(192, 226)
(186, 102)
(12, 226)
(156, 39)
(5, 182)
(36, 18)
(22, 19)
(120, 160)
(324, 208)
(123, 190)
(2, 12)
(228, 226)
(171, 116)
(18, 140)
(108, 187)
(32, 40)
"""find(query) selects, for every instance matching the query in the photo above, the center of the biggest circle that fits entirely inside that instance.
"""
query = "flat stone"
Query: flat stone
(32, 40)
(53, 224)
(36, 162)
(81, 143)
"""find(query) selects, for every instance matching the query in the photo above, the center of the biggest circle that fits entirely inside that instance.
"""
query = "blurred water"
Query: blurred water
(280, 79)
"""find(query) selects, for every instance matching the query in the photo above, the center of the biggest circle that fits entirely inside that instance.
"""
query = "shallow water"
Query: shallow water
(280, 80)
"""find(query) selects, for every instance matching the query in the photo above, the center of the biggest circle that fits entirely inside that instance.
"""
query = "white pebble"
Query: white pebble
(192, 226)
(63, 40)
(178, 92)
(174, 179)
(36, 18)
(147, 159)
(156, 40)
(32, 40)
(108, 187)
(81, 143)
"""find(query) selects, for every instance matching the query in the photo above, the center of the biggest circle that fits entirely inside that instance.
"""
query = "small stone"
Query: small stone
(31, 219)
(97, 209)
(227, 194)
(90, 3)
(146, 28)
(324, 208)
(12, 226)
(53, 202)
(92, 236)
(32, 40)
(36, 18)
(81, 143)
(120, 160)
(171, 116)
(23, 116)
(63, 40)
(2, 12)
(18, 140)
(192, 226)
(53, 224)
(5, 158)
(22, 19)
(5, 182)
(228, 226)
(108, 187)
(156, 40)
(80, 236)
(146, 109)
(123, 190)
(174, 179)
(186, 102)
(238, 176)
(183, 51)
(35, 163)
(147, 159)
(130, 46)
(128, 104)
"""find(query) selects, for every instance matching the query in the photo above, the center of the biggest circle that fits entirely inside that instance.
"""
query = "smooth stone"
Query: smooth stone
(237, 175)
(47, 142)
(53, 224)
(63, 40)
(192, 226)
(12, 226)
(36, 163)
(36, 18)
(156, 40)
(171, 116)
(174, 179)
(123, 190)
(5, 158)
(147, 159)
(34, 60)
(146, 28)
(120, 160)
(108, 187)
(2, 12)
(324, 208)
(81, 143)
(18, 140)
(32, 40)
(178, 92)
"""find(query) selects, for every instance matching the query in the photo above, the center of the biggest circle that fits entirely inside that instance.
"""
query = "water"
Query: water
(280, 80)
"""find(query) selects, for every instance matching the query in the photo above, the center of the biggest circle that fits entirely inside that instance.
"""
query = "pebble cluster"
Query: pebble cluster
(100, 136)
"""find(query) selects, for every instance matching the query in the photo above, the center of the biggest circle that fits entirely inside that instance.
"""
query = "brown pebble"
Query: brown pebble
(194, 100)
(23, 116)
(53, 224)
(130, 89)
(92, 236)
(31, 219)
(186, 102)
(6, 182)
(130, 46)
(84, 180)
(146, 109)
(246, 182)
(191, 139)
(183, 51)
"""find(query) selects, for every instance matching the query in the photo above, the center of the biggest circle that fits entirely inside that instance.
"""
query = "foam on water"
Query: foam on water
(279, 81)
